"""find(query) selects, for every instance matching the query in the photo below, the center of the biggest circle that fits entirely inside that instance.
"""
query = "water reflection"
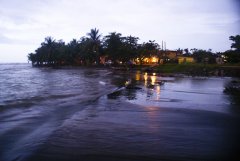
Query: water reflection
(158, 89)
(151, 89)
(149, 94)
(145, 79)
(138, 76)
(232, 89)
(153, 80)
(137, 82)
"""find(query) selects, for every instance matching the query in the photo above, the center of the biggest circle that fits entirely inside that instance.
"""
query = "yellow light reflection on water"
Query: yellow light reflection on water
(158, 90)
(153, 79)
(138, 76)
(145, 76)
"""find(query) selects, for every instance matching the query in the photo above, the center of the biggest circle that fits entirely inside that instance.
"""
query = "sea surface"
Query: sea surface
(79, 113)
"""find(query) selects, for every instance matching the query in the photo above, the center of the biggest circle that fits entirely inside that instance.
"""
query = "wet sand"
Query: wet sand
(132, 132)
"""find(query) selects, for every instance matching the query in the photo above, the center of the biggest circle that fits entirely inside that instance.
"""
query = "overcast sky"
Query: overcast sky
(189, 24)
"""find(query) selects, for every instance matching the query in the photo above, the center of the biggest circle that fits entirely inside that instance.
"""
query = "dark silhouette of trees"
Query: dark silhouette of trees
(236, 42)
(117, 48)
(60, 55)
(94, 45)
(147, 49)
(49, 44)
(113, 46)
(130, 48)
(186, 52)
(73, 49)
(32, 57)
(204, 56)
(233, 56)
(88, 50)
(120, 49)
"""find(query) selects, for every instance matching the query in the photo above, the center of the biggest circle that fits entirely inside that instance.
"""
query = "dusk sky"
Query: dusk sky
(204, 24)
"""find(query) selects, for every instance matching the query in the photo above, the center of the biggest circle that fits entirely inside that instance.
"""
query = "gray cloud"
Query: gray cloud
(182, 23)
(4, 39)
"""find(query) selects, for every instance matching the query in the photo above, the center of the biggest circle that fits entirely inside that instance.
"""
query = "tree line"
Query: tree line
(89, 50)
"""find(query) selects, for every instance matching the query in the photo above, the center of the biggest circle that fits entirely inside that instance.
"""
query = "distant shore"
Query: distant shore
(227, 70)
(194, 69)
(198, 69)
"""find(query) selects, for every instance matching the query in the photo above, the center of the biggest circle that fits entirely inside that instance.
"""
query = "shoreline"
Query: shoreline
(208, 70)
(135, 133)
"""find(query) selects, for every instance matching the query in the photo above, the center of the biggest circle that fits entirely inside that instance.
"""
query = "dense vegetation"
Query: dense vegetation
(88, 50)
(119, 49)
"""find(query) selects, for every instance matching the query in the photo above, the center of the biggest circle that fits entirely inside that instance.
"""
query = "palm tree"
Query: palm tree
(236, 42)
(49, 43)
(130, 47)
(94, 35)
(32, 58)
(132, 41)
(73, 47)
(113, 44)
(95, 43)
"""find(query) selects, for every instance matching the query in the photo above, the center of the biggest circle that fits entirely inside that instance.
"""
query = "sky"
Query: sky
(204, 24)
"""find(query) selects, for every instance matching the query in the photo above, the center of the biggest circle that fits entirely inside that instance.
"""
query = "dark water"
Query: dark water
(100, 114)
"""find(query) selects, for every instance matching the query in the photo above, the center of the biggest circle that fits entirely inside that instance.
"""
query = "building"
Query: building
(185, 59)
(153, 60)
(160, 58)
(171, 54)
(221, 59)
